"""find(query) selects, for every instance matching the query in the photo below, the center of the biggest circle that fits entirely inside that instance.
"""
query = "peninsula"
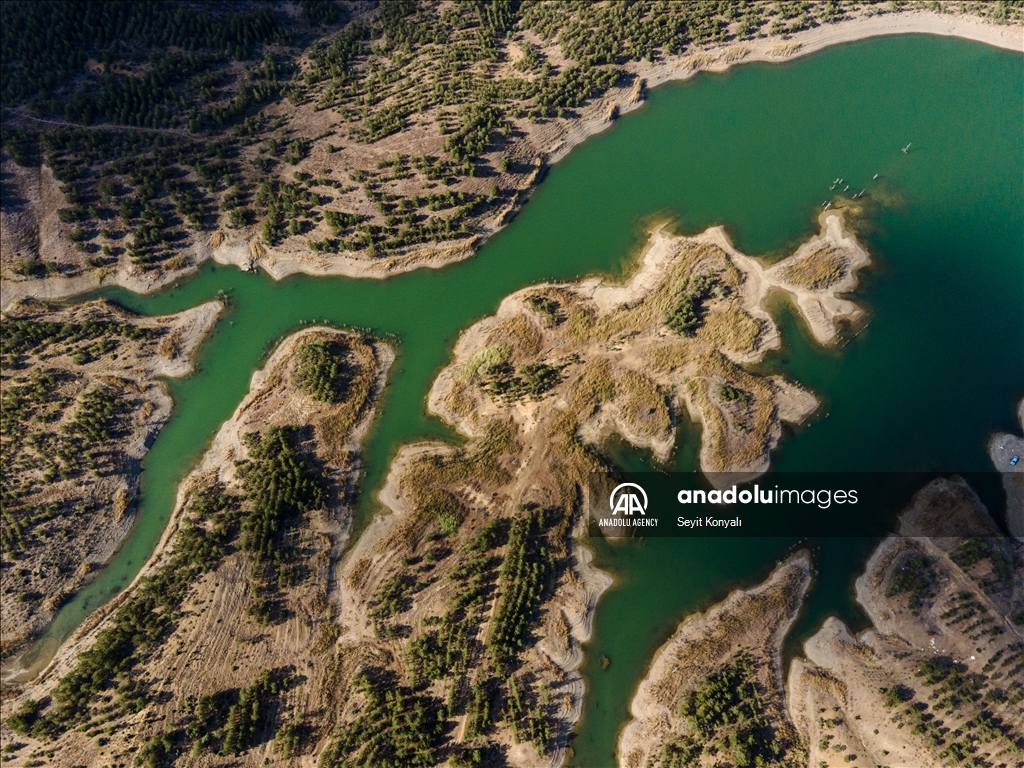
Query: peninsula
(223, 643)
(82, 402)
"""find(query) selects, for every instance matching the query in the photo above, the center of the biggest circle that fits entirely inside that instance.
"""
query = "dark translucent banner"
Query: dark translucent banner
(812, 504)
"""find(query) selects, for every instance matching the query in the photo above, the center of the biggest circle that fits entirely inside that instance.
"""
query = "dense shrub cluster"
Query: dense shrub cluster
(278, 485)
(19, 335)
(522, 580)
(45, 43)
(94, 420)
(915, 578)
(726, 712)
(394, 729)
(532, 380)
(317, 370)
(687, 315)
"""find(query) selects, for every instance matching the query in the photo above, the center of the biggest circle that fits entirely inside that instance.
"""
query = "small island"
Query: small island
(676, 336)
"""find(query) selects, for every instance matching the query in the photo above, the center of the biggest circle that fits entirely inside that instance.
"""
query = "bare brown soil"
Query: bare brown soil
(937, 679)
(71, 472)
(218, 645)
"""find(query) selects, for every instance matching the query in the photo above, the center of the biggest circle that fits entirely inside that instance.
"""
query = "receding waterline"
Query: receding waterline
(754, 149)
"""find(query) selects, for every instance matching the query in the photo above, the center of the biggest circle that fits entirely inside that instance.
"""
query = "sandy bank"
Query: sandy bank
(127, 276)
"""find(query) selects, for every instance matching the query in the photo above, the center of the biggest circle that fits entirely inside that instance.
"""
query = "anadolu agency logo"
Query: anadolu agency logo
(628, 499)
(627, 502)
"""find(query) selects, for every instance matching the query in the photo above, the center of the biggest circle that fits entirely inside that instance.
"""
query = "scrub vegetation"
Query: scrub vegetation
(373, 131)
(80, 402)
(251, 556)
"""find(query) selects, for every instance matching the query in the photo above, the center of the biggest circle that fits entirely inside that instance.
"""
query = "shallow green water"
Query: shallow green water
(937, 369)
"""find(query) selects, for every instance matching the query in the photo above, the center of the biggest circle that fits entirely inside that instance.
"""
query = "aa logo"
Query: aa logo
(626, 501)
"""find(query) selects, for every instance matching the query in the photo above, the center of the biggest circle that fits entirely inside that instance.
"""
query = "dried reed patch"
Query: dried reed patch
(735, 53)
(519, 334)
(784, 50)
(593, 386)
(821, 269)
(642, 404)
(730, 329)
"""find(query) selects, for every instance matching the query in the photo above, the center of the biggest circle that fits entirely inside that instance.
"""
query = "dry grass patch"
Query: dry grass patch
(642, 404)
(735, 53)
(519, 335)
(730, 329)
(821, 269)
(484, 361)
(170, 344)
(593, 386)
(784, 50)
(698, 61)
(738, 411)
(666, 357)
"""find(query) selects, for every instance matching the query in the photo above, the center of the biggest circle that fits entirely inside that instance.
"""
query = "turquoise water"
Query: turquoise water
(938, 367)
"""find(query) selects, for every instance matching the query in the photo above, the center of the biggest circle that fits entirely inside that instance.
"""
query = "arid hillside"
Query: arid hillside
(352, 138)
(81, 405)
(222, 647)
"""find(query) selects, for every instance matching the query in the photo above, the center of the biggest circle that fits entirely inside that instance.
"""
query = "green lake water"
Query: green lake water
(938, 367)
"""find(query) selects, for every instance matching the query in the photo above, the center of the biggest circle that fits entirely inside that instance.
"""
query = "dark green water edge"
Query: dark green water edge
(938, 367)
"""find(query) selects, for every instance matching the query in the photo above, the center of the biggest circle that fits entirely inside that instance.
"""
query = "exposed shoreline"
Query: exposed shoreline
(191, 327)
(280, 264)
(676, 68)
(690, 653)
(227, 441)
(1002, 447)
